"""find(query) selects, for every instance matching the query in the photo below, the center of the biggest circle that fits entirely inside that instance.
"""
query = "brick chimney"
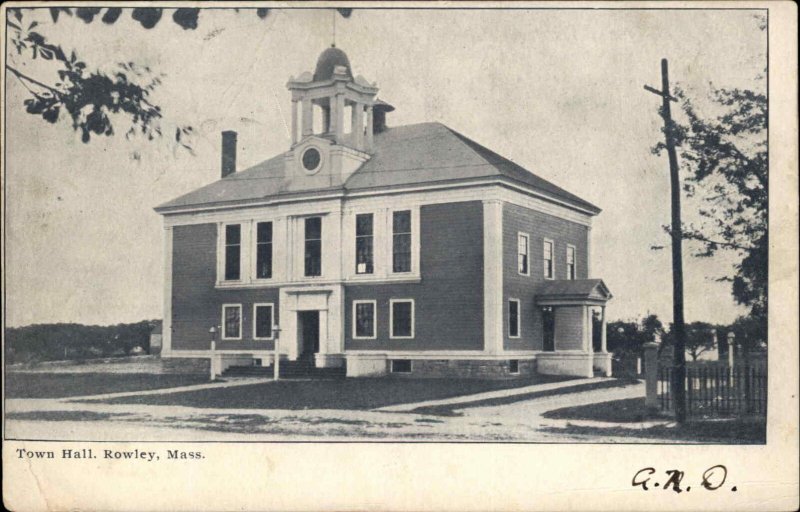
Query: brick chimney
(379, 112)
(228, 153)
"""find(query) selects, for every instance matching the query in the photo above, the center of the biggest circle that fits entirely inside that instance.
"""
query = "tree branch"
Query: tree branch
(701, 238)
(34, 81)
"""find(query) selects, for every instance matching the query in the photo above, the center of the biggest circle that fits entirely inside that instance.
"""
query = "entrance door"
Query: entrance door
(308, 322)
(549, 329)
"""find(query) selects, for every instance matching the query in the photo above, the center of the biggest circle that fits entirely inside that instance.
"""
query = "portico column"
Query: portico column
(323, 332)
(603, 329)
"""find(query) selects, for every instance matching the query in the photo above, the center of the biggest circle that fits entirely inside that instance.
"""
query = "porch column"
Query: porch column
(603, 329)
(587, 329)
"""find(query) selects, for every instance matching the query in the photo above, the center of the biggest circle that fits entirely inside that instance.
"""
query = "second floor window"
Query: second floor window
(401, 241)
(364, 252)
(548, 259)
(313, 247)
(570, 262)
(264, 250)
(522, 254)
(233, 252)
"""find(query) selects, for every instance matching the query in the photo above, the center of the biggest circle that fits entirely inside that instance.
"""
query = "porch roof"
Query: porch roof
(573, 291)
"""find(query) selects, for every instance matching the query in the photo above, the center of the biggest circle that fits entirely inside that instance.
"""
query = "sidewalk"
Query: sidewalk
(164, 391)
(491, 395)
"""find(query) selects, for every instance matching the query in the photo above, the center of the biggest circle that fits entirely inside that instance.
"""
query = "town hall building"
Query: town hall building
(376, 249)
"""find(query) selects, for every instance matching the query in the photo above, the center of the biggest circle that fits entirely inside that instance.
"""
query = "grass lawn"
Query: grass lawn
(632, 410)
(362, 393)
(453, 410)
(62, 385)
(65, 416)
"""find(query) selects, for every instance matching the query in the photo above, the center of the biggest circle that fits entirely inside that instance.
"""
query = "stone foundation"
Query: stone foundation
(366, 366)
(578, 364)
(186, 365)
(381, 365)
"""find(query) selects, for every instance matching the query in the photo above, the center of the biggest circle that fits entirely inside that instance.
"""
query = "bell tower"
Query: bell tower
(332, 122)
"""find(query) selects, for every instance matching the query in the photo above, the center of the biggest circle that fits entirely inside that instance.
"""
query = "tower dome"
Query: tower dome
(327, 62)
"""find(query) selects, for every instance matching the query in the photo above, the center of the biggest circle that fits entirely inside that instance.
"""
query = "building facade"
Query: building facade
(404, 250)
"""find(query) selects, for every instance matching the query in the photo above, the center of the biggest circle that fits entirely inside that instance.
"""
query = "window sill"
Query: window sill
(377, 278)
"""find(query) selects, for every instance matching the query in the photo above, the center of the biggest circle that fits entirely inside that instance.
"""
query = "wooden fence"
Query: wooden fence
(718, 390)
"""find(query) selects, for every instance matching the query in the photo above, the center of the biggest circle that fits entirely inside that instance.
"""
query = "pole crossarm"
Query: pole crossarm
(661, 93)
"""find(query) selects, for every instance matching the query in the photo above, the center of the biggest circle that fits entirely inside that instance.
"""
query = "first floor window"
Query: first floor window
(313, 246)
(233, 252)
(364, 243)
(232, 322)
(402, 318)
(513, 318)
(548, 259)
(364, 319)
(401, 241)
(264, 250)
(570, 262)
(522, 254)
(262, 321)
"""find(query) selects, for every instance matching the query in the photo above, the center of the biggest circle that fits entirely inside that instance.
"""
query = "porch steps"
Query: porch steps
(300, 369)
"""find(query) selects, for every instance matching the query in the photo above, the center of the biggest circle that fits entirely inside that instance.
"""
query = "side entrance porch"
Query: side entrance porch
(573, 311)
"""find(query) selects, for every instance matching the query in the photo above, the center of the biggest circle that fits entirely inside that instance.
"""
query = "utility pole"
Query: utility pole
(679, 355)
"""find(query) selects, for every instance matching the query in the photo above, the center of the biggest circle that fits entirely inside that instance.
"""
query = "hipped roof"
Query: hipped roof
(417, 154)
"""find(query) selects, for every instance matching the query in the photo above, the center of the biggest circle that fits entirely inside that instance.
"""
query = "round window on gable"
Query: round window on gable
(311, 159)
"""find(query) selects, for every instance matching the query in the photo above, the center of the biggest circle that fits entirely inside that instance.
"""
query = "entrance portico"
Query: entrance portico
(305, 310)
(572, 304)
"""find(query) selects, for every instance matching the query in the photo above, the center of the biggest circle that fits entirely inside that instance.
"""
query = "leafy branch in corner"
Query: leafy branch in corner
(93, 98)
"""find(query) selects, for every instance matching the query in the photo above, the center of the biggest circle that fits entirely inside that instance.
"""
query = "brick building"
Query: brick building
(408, 249)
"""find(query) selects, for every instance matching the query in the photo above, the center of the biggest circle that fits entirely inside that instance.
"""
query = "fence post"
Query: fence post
(651, 375)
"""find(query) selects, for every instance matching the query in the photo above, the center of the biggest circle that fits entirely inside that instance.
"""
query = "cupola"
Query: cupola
(333, 118)
(331, 103)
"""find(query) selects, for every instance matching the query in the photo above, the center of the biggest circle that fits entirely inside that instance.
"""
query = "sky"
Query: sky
(560, 92)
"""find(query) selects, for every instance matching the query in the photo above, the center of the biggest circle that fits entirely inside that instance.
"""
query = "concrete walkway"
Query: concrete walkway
(165, 391)
(490, 395)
